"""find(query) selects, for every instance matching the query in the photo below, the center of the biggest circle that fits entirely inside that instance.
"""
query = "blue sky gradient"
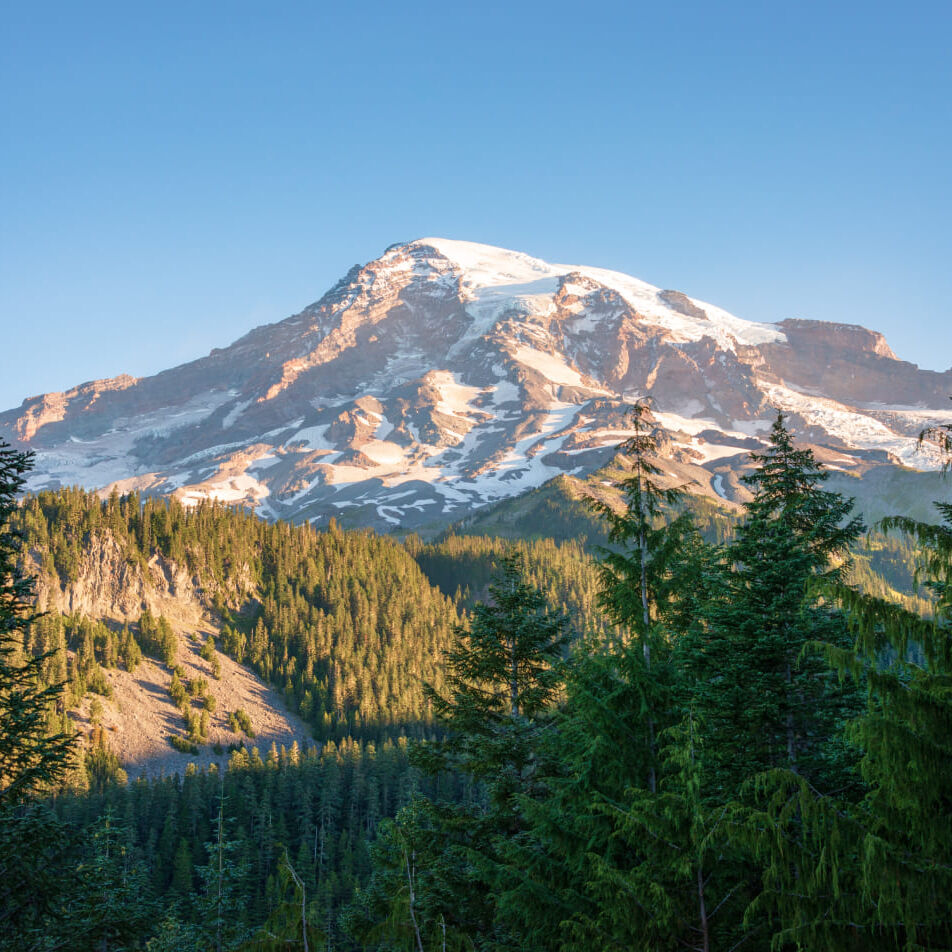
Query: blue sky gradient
(172, 175)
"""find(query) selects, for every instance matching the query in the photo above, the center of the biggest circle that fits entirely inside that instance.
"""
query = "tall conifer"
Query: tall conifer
(30, 757)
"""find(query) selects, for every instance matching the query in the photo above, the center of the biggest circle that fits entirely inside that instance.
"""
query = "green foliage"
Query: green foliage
(31, 757)
(766, 701)
(345, 625)
(183, 745)
(111, 904)
(223, 885)
(102, 764)
(402, 909)
(586, 873)
(292, 924)
(208, 648)
(239, 721)
(35, 847)
(880, 862)
(157, 638)
(463, 568)
(173, 935)
(321, 808)
(129, 651)
(504, 677)
(503, 674)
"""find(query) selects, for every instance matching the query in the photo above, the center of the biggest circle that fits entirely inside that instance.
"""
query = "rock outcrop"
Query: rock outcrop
(446, 375)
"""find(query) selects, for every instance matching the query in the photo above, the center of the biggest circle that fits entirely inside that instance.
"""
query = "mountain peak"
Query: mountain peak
(446, 375)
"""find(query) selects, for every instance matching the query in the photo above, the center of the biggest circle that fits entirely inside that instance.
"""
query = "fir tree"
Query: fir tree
(503, 678)
(30, 757)
(766, 703)
(635, 576)
(293, 923)
(878, 875)
(110, 902)
(773, 712)
(222, 888)
(602, 748)
(402, 909)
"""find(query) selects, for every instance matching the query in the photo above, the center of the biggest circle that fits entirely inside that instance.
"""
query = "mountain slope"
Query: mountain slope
(447, 375)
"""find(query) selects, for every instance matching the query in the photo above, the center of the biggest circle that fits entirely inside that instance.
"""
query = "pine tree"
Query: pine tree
(879, 876)
(173, 935)
(30, 757)
(636, 581)
(110, 904)
(503, 674)
(773, 712)
(221, 900)
(293, 923)
(36, 852)
(666, 899)
(602, 748)
(503, 677)
(767, 703)
(402, 908)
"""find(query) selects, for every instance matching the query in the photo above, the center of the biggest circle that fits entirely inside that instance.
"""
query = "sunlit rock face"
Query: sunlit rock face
(447, 375)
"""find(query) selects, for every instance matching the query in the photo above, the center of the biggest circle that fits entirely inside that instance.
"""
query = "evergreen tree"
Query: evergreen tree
(636, 581)
(503, 677)
(173, 935)
(503, 674)
(402, 907)
(773, 712)
(221, 900)
(879, 875)
(108, 904)
(36, 850)
(664, 899)
(294, 921)
(766, 703)
(620, 694)
(30, 757)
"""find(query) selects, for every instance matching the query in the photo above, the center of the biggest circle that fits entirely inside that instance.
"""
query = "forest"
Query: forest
(673, 728)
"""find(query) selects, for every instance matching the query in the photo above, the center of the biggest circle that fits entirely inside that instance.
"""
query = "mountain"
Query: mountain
(445, 376)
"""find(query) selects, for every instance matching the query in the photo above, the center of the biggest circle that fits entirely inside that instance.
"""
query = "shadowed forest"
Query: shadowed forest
(673, 728)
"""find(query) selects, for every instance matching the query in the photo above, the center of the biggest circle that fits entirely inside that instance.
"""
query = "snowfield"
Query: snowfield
(447, 375)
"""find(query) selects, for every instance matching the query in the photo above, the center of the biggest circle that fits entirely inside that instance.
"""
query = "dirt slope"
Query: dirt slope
(141, 716)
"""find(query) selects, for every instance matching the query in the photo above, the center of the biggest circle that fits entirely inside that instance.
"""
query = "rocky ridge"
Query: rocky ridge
(445, 375)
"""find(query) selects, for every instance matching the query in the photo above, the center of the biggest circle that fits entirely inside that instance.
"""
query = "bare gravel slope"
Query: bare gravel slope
(141, 716)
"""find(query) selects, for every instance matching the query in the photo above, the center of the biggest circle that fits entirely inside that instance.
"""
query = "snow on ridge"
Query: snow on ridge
(552, 366)
(488, 266)
(496, 279)
(854, 428)
(456, 398)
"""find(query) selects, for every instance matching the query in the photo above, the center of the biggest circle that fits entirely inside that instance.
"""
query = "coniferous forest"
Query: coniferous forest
(672, 729)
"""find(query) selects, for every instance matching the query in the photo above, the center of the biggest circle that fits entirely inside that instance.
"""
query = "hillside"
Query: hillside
(313, 636)
(446, 376)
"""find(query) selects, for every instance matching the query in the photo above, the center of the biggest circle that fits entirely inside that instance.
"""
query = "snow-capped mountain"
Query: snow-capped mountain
(446, 375)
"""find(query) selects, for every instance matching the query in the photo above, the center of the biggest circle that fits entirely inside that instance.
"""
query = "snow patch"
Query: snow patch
(552, 366)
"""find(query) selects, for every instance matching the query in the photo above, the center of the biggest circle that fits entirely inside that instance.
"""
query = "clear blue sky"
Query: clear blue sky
(173, 174)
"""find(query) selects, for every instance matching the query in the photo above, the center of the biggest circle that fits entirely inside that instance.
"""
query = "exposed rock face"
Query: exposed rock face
(446, 375)
(109, 586)
(681, 303)
(140, 715)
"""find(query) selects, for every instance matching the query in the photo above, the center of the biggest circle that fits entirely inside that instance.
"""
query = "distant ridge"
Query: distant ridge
(447, 375)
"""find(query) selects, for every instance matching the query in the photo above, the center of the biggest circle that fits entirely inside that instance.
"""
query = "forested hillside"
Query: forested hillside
(507, 700)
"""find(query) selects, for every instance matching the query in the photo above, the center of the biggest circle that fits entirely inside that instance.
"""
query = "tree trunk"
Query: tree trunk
(646, 623)
(513, 679)
(416, 928)
(702, 910)
(791, 735)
